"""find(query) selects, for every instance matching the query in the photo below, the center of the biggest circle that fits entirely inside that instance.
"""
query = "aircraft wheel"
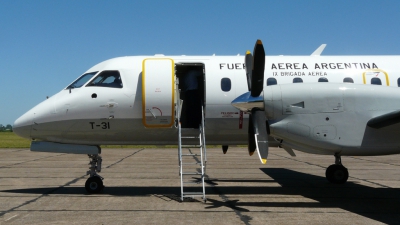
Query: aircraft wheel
(337, 174)
(94, 184)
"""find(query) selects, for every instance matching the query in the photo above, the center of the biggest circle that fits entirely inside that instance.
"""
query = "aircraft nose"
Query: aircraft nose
(22, 126)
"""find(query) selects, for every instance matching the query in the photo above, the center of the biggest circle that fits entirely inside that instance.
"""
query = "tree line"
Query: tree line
(6, 128)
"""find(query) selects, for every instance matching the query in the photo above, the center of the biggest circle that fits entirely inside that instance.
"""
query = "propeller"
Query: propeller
(248, 62)
(253, 102)
(257, 72)
(260, 134)
(251, 140)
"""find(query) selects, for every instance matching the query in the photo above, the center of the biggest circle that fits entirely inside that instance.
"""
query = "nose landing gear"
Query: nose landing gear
(94, 184)
(337, 173)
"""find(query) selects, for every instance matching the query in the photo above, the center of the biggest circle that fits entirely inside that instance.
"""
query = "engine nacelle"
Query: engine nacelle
(328, 118)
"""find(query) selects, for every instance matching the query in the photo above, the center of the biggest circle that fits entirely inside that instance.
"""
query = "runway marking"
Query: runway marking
(42, 195)
(124, 158)
(11, 218)
(55, 189)
(291, 158)
(33, 160)
(374, 161)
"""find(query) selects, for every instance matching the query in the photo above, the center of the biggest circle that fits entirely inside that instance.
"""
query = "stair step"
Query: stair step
(192, 182)
(191, 164)
(187, 194)
(191, 173)
(190, 129)
(190, 132)
(191, 146)
(189, 137)
(190, 155)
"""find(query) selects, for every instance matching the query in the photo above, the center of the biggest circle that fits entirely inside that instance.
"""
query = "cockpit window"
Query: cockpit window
(82, 80)
(109, 78)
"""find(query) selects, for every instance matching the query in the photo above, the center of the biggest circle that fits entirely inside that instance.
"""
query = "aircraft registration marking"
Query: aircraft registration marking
(102, 125)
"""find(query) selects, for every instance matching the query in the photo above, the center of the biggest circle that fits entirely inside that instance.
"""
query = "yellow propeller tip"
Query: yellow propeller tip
(264, 161)
(248, 52)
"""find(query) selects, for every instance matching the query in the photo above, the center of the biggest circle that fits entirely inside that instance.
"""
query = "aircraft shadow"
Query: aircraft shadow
(380, 204)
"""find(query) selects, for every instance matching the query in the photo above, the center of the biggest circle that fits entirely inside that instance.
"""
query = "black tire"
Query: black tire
(329, 173)
(94, 184)
(337, 174)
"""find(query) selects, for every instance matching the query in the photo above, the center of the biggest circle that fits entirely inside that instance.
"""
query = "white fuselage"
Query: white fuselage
(116, 116)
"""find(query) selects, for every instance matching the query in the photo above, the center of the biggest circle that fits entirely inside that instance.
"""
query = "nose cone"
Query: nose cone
(22, 126)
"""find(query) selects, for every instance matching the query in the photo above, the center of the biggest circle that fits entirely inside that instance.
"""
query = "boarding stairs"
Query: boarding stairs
(192, 162)
(192, 155)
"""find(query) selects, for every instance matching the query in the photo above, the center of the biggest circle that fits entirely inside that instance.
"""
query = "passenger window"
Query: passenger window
(271, 81)
(297, 80)
(348, 80)
(323, 79)
(376, 81)
(81, 80)
(110, 78)
(398, 82)
(226, 84)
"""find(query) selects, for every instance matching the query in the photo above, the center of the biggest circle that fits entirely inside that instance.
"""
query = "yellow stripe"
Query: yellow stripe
(376, 70)
(364, 79)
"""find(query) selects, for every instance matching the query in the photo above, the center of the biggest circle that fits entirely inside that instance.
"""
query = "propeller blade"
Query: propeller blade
(258, 66)
(251, 145)
(248, 62)
(260, 134)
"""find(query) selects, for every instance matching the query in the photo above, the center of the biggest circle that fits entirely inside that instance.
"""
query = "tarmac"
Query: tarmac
(142, 186)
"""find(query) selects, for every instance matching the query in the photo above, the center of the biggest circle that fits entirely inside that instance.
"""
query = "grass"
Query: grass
(11, 140)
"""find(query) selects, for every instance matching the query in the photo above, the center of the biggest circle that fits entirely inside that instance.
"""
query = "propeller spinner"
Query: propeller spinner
(253, 102)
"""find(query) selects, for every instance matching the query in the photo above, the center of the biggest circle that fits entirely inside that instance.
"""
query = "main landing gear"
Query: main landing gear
(94, 184)
(337, 173)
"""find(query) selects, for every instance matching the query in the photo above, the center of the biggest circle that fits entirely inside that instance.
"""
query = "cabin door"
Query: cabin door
(158, 83)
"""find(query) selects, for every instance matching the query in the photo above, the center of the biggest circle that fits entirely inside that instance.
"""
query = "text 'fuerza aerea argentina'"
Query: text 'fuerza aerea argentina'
(302, 66)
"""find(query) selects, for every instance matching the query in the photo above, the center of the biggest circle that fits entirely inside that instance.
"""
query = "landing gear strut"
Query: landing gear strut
(94, 184)
(337, 173)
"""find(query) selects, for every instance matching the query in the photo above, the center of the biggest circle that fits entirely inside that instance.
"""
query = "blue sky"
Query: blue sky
(45, 45)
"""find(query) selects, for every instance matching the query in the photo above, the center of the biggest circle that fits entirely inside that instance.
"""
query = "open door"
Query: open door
(191, 78)
(158, 82)
(376, 76)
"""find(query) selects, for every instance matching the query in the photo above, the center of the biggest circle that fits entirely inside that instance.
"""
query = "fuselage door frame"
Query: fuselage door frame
(375, 73)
